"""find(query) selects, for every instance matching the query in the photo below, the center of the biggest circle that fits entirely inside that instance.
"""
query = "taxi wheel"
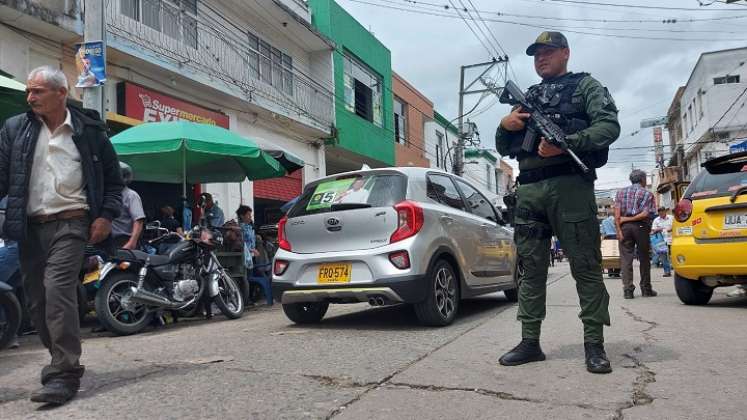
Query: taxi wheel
(692, 292)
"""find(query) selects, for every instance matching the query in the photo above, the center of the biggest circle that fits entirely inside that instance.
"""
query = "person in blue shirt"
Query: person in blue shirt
(213, 214)
(609, 230)
(246, 223)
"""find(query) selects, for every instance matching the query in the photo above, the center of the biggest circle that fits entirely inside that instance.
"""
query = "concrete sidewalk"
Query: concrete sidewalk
(670, 361)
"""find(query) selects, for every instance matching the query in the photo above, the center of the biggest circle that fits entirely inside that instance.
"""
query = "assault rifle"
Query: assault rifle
(538, 125)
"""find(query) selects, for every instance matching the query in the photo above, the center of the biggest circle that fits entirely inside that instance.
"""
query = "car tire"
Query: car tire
(692, 292)
(442, 300)
(305, 312)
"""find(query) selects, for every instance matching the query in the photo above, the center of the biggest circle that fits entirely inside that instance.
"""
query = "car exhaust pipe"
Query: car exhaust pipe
(380, 301)
(149, 298)
(372, 301)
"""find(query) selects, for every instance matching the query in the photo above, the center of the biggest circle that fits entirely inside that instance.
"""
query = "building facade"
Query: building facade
(489, 174)
(363, 117)
(711, 109)
(440, 138)
(257, 68)
(412, 110)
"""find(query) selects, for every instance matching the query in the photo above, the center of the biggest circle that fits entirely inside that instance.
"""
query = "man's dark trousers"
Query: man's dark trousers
(51, 258)
(636, 234)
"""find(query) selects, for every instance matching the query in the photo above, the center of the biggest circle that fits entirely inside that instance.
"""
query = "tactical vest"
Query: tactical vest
(556, 100)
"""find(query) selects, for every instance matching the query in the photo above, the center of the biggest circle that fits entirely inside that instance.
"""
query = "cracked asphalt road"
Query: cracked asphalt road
(671, 361)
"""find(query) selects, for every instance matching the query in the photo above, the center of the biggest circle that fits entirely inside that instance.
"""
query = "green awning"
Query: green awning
(186, 152)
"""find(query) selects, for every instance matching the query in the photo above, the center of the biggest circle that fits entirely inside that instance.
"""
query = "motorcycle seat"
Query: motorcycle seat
(155, 260)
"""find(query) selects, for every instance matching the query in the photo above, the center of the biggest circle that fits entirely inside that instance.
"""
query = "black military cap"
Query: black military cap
(550, 39)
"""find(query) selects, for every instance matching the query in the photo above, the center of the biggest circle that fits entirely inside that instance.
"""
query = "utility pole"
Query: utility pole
(464, 91)
(94, 29)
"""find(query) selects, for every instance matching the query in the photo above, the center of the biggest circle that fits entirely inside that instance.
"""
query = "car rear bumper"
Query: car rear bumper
(408, 289)
(696, 259)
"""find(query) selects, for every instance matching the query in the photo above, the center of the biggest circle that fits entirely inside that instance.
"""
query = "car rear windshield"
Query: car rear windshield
(350, 192)
(707, 184)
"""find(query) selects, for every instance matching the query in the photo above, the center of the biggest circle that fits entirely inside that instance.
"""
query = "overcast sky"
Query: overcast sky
(641, 74)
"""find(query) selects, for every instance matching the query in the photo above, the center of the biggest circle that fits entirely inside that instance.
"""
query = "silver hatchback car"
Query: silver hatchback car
(387, 236)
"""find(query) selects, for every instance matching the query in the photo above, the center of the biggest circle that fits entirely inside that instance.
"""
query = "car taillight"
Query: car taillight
(282, 239)
(409, 220)
(280, 267)
(400, 259)
(683, 210)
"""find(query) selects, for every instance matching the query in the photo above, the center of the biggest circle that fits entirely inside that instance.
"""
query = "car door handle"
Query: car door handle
(486, 226)
(448, 220)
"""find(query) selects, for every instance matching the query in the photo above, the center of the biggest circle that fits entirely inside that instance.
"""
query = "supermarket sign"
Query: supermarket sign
(150, 106)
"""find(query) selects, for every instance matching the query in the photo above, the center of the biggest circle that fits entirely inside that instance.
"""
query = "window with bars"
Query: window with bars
(269, 64)
(439, 149)
(362, 90)
(726, 79)
(175, 18)
(400, 121)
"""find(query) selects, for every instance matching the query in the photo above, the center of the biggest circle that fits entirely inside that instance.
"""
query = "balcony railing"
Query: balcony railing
(209, 44)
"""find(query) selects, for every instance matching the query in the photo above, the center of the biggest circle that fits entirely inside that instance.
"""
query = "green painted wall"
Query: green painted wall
(353, 132)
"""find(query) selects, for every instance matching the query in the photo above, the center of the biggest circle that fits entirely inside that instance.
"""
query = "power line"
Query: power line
(713, 127)
(548, 27)
(490, 54)
(665, 20)
(639, 6)
(490, 31)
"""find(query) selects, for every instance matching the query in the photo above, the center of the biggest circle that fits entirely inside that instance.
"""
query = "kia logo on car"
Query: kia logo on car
(333, 221)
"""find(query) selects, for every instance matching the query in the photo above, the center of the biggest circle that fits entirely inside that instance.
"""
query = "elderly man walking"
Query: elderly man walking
(634, 210)
(61, 176)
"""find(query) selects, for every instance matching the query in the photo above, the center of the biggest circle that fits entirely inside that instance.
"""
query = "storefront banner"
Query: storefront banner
(91, 64)
(151, 106)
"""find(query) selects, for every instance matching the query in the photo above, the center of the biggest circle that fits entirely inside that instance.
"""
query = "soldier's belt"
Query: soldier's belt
(530, 176)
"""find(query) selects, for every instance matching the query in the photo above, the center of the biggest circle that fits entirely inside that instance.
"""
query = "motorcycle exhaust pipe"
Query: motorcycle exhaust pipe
(149, 298)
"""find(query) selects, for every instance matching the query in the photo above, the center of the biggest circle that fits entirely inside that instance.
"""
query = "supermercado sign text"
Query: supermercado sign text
(151, 106)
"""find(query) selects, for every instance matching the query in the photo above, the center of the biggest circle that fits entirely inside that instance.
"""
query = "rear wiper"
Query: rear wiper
(349, 206)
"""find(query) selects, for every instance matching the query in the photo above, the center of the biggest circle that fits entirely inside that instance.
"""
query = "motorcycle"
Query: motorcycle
(134, 285)
(10, 315)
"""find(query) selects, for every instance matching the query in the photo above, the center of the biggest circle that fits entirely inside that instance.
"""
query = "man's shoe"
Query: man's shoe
(596, 358)
(667, 275)
(648, 293)
(628, 294)
(527, 351)
(56, 392)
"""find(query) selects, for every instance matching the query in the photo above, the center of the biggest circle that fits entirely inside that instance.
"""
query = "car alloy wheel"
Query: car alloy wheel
(445, 291)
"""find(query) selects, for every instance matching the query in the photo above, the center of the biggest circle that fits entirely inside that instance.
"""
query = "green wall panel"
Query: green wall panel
(353, 132)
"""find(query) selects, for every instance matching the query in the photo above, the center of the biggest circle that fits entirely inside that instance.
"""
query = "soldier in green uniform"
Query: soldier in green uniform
(555, 197)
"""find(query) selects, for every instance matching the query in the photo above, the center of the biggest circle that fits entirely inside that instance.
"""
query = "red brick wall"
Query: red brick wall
(282, 189)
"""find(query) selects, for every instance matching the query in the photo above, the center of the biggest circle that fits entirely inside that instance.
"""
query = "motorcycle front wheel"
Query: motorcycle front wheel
(229, 299)
(10, 318)
(114, 309)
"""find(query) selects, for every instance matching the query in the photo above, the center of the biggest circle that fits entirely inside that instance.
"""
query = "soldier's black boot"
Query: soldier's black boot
(648, 292)
(628, 293)
(596, 358)
(527, 351)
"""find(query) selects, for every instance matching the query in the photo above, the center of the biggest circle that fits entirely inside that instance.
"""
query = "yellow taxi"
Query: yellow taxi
(709, 233)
